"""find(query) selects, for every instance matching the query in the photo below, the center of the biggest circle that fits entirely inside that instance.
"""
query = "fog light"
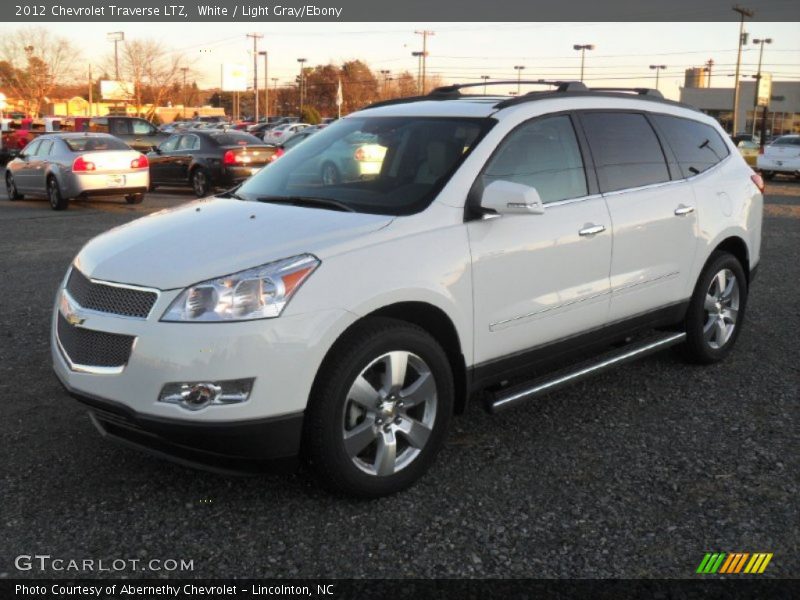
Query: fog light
(198, 395)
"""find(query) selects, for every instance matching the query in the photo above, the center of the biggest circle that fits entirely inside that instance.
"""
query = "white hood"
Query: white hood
(206, 239)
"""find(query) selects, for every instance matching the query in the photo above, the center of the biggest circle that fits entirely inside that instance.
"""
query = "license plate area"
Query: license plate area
(115, 181)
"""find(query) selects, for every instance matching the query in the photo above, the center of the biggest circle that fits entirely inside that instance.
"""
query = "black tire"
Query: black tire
(54, 195)
(700, 322)
(768, 175)
(330, 174)
(200, 181)
(11, 188)
(324, 445)
(134, 198)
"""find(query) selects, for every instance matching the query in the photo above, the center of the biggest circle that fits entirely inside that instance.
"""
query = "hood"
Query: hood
(211, 238)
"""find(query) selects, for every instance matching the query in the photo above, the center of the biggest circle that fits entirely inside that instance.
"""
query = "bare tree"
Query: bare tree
(152, 72)
(34, 61)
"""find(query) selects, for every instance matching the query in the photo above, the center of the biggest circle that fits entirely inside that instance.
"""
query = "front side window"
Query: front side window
(542, 154)
(382, 165)
(119, 127)
(44, 148)
(697, 146)
(32, 148)
(142, 128)
(626, 151)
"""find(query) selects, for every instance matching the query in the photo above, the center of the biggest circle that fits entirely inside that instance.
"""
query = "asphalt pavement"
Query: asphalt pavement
(635, 473)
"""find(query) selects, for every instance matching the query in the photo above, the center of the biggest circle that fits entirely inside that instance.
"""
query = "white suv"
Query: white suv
(502, 248)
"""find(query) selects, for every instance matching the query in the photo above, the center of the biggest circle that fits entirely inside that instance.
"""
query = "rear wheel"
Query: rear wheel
(380, 409)
(134, 198)
(11, 188)
(716, 310)
(200, 182)
(768, 175)
(54, 195)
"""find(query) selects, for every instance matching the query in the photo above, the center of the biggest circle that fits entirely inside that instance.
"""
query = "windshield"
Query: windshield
(384, 165)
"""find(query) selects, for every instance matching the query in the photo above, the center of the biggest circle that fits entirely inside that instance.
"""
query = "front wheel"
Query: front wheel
(380, 409)
(716, 310)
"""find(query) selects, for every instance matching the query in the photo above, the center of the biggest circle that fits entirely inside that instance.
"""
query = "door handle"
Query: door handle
(683, 210)
(592, 230)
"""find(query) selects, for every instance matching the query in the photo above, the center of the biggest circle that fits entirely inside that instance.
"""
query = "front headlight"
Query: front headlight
(258, 293)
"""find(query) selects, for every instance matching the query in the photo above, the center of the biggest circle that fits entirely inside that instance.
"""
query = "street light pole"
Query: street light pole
(302, 62)
(582, 48)
(518, 69)
(265, 54)
(256, 37)
(657, 69)
(743, 12)
(116, 37)
(485, 79)
(761, 43)
(184, 70)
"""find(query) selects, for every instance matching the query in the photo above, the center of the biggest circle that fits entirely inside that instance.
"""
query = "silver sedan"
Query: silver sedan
(78, 165)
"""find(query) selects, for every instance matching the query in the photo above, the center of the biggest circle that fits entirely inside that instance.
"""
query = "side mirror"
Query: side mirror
(157, 149)
(22, 156)
(508, 198)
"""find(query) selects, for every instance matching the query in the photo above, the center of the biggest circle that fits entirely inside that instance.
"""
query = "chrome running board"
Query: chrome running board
(512, 396)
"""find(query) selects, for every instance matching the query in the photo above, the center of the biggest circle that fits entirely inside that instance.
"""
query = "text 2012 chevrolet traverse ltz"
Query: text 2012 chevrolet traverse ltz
(342, 304)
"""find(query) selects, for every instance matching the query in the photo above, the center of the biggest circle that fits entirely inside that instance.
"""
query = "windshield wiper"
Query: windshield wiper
(310, 201)
(231, 193)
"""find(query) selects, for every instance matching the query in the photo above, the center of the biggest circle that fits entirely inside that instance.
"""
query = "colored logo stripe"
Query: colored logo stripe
(720, 562)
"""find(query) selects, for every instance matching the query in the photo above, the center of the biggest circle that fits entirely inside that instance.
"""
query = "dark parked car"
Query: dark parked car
(208, 158)
(139, 134)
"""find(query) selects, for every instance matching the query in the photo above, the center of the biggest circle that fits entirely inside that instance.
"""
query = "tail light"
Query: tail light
(140, 162)
(229, 158)
(81, 165)
(758, 181)
(278, 153)
(278, 134)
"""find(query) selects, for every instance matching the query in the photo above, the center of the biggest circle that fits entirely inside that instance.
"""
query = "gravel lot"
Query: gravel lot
(636, 473)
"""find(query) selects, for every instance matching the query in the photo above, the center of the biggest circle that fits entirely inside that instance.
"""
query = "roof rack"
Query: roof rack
(650, 92)
(561, 86)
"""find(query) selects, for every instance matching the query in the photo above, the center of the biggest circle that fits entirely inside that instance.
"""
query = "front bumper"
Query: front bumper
(224, 447)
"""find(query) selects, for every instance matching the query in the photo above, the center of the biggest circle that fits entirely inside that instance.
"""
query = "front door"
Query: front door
(540, 278)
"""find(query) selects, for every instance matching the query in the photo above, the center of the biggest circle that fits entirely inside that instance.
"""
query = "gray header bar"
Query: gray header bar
(393, 10)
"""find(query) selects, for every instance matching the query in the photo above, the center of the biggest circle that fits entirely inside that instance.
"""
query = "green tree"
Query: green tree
(310, 115)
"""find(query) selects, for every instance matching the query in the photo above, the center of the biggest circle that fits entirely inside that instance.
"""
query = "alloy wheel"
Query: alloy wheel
(721, 308)
(390, 411)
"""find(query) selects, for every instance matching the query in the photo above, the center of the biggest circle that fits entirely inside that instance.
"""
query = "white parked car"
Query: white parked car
(781, 156)
(281, 133)
(346, 322)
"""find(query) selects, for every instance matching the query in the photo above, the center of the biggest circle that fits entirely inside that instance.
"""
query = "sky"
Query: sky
(463, 52)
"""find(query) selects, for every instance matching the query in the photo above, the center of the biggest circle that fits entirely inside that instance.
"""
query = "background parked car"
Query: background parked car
(205, 159)
(293, 141)
(283, 132)
(139, 134)
(69, 165)
(781, 156)
(749, 150)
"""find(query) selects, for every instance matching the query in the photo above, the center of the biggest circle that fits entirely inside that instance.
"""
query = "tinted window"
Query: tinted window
(142, 128)
(697, 146)
(170, 145)
(625, 149)
(120, 127)
(234, 138)
(189, 142)
(99, 125)
(30, 149)
(542, 154)
(45, 148)
(95, 143)
(787, 140)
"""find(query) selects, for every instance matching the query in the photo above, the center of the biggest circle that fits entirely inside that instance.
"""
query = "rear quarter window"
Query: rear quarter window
(697, 146)
(626, 151)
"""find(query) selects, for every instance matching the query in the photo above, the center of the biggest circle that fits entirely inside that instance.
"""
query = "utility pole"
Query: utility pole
(658, 69)
(418, 55)
(302, 62)
(424, 33)
(743, 12)
(184, 70)
(275, 93)
(485, 79)
(265, 54)
(707, 69)
(385, 73)
(116, 37)
(256, 37)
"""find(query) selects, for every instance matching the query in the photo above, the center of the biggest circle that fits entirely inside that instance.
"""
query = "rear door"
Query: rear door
(39, 166)
(652, 210)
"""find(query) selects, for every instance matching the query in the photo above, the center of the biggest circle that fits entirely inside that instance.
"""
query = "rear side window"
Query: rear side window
(120, 127)
(141, 127)
(697, 146)
(787, 140)
(45, 148)
(625, 149)
(542, 154)
(189, 142)
(99, 125)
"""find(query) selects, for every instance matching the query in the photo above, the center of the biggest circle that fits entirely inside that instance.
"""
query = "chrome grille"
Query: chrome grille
(93, 348)
(108, 298)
